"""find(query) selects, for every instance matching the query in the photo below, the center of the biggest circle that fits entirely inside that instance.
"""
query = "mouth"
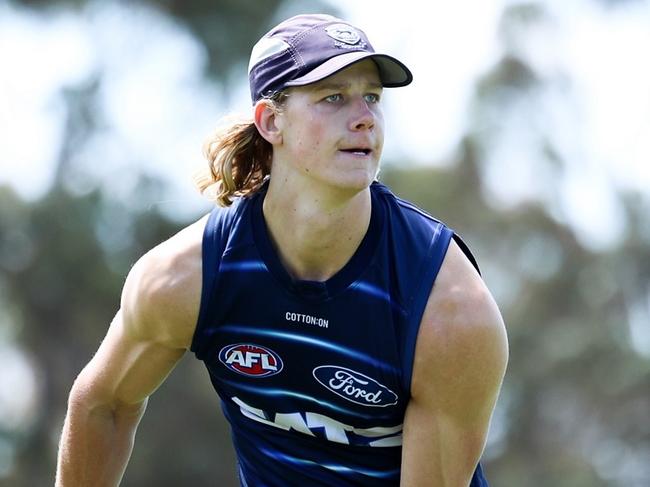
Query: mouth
(357, 151)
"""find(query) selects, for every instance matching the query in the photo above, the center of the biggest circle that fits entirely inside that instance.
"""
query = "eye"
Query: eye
(372, 98)
(333, 98)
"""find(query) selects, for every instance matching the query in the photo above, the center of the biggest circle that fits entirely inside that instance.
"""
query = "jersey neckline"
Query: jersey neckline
(317, 290)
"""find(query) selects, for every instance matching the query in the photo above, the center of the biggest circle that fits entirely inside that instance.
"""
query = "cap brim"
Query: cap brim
(393, 73)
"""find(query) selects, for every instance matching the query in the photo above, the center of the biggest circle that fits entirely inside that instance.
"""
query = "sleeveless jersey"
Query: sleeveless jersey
(314, 377)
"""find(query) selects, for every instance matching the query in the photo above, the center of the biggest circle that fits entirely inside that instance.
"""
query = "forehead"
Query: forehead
(365, 72)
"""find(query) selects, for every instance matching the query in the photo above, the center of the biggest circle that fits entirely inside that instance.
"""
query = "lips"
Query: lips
(360, 151)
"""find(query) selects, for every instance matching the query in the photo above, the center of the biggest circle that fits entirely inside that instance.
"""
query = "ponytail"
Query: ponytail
(239, 159)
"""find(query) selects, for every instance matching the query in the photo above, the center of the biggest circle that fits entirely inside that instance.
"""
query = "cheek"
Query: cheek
(379, 123)
(379, 132)
(309, 137)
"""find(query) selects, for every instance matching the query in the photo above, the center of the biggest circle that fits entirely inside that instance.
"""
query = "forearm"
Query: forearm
(96, 443)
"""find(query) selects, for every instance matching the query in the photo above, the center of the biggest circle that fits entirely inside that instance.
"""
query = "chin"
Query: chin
(354, 183)
(348, 179)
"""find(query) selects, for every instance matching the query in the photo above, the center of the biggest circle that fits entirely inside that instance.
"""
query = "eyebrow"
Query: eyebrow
(340, 86)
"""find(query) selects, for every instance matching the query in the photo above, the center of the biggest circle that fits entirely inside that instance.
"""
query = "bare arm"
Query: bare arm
(459, 364)
(146, 339)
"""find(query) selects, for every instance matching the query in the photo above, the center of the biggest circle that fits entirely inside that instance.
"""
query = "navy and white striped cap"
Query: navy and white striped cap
(308, 48)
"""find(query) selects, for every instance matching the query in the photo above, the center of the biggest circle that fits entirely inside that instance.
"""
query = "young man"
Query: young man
(347, 333)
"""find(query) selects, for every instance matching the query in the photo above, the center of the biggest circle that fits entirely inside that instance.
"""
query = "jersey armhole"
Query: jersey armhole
(211, 250)
(425, 281)
(468, 253)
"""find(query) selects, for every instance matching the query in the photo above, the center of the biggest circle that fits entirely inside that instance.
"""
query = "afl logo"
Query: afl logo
(251, 360)
(354, 386)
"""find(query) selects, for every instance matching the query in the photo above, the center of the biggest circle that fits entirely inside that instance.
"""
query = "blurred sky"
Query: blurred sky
(158, 107)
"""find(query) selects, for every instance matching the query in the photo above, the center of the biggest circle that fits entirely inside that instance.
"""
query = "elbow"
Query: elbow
(89, 398)
(83, 396)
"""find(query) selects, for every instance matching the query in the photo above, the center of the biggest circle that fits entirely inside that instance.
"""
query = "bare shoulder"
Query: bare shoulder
(462, 348)
(162, 293)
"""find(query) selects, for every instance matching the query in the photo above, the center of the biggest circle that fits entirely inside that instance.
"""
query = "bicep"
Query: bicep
(127, 367)
(437, 449)
(444, 436)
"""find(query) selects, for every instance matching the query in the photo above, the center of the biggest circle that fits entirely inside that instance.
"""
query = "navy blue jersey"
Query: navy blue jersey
(314, 377)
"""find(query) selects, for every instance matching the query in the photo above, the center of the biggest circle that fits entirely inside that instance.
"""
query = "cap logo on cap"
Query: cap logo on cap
(343, 33)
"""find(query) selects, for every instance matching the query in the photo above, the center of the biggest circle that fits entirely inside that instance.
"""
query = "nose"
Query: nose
(363, 118)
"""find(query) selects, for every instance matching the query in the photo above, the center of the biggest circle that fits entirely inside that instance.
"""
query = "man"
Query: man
(348, 334)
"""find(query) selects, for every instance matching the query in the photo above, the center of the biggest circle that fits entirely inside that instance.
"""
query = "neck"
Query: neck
(316, 230)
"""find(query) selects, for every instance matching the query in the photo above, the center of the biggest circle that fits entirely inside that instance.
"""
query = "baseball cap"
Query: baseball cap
(308, 48)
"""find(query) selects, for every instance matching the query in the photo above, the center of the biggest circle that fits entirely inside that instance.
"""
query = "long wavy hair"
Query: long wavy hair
(239, 159)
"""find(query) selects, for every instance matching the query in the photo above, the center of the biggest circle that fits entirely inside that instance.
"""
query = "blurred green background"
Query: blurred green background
(538, 157)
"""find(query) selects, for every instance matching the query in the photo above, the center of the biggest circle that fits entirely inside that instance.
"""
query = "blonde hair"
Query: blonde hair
(239, 159)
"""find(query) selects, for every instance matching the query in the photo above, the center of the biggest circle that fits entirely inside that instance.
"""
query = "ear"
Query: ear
(266, 121)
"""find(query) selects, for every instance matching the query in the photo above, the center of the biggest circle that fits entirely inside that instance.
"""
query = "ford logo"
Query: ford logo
(354, 386)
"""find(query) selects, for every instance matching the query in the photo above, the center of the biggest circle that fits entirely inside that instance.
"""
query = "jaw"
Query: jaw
(342, 170)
